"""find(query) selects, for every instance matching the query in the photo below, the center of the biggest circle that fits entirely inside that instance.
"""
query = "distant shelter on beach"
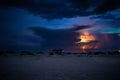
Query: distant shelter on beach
(57, 51)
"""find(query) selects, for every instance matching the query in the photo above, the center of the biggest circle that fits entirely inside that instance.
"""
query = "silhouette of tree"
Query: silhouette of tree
(75, 53)
(83, 53)
(110, 53)
(116, 52)
(68, 53)
(89, 53)
(11, 52)
(51, 53)
(40, 53)
(97, 53)
(26, 53)
(2, 53)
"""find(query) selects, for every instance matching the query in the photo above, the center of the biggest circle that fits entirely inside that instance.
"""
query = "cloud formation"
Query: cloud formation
(60, 38)
(54, 23)
(52, 9)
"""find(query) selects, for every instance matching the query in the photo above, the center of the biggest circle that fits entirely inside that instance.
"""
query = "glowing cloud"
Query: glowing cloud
(86, 37)
(87, 41)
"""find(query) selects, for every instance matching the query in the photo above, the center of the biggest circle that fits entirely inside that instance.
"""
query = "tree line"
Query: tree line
(58, 52)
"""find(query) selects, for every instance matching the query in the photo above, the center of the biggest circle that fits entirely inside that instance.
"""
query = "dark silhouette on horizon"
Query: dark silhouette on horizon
(26, 53)
(58, 51)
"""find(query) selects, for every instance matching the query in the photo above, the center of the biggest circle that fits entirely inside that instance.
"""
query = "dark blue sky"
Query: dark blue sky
(46, 24)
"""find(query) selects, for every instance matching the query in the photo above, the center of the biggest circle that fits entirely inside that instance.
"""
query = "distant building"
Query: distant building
(57, 51)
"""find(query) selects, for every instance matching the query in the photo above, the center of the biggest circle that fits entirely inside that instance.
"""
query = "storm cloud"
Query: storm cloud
(52, 9)
(58, 38)
(48, 24)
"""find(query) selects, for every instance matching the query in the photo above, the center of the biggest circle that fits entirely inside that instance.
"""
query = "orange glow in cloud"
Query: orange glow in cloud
(85, 38)
(83, 48)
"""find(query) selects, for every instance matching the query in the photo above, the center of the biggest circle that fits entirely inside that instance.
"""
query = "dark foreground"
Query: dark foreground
(59, 68)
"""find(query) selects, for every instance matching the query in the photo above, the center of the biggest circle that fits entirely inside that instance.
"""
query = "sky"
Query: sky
(72, 25)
